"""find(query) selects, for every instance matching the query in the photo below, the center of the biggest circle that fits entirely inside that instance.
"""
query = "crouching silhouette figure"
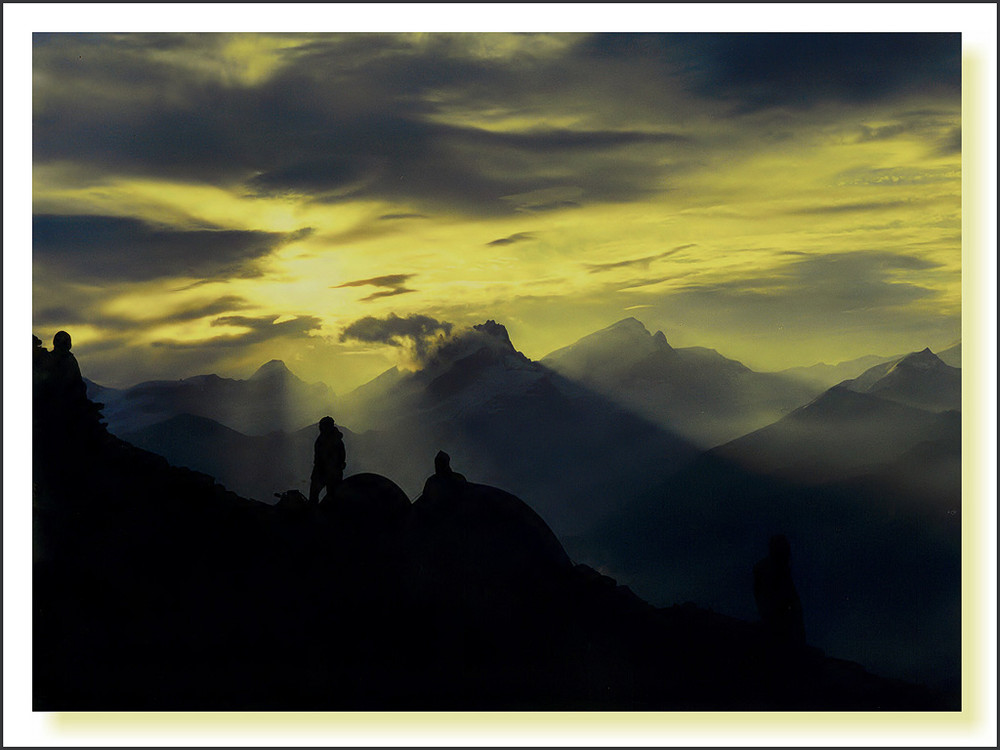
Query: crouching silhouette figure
(442, 468)
(777, 600)
(329, 462)
(442, 487)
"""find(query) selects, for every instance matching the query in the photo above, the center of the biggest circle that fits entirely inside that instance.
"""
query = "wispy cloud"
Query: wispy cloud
(518, 237)
(394, 283)
(841, 208)
(258, 330)
(643, 262)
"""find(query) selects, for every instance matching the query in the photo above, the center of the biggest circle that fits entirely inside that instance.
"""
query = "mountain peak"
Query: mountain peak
(496, 330)
(273, 369)
(922, 360)
(632, 324)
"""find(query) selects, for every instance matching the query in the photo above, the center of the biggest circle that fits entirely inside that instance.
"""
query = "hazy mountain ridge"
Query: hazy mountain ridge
(696, 392)
(869, 491)
(273, 398)
(824, 375)
(919, 379)
(155, 589)
(839, 434)
(253, 466)
(572, 454)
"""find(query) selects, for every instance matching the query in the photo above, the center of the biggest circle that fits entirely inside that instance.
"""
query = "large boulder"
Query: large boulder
(368, 500)
(485, 532)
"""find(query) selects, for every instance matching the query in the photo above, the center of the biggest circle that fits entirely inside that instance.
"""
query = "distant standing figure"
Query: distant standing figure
(777, 600)
(329, 460)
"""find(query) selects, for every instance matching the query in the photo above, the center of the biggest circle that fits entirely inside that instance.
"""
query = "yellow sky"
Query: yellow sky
(780, 235)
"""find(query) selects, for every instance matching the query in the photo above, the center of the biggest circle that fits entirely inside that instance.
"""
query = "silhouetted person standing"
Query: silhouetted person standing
(329, 460)
(777, 600)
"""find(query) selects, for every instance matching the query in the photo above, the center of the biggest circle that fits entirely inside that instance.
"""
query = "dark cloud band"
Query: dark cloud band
(127, 249)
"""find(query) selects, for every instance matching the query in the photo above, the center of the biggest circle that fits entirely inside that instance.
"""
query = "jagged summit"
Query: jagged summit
(620, 345)
(276, 368)
(485, 343)
(919, 379)
(922, 360)
(497, 331)
(628, 324)
(630, 330)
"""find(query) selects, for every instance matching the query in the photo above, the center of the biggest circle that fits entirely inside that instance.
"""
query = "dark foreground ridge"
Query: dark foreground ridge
(157, 589)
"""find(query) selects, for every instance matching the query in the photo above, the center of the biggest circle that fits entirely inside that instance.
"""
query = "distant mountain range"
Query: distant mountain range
(920, 379)
(273, 398)
(695, 392)
(865, 485)
(572, 453)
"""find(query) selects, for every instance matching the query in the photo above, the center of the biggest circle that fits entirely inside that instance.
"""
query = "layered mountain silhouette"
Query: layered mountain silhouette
(695, 392)
(952, 355)
(868, 489)
(573, 454)
(255, 466)
(823, 375)
(920, 379)
(864, 478)
(155, 588)
(839, 434)
(273, 398)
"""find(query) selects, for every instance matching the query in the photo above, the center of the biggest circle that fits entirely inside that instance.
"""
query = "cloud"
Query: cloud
(416, 332)
(950, 143)
(226, 303)
(397, 217)
(387, 293)
(756, 71)
(634, 262)
(841, 208)
(518, 237)
(395, 279)
(87, 310)
(395, 284)
(822, 287)
(407, 118)
(129, 249)
(898, 176)
(883, 133)
(337, 117)
(259, 329)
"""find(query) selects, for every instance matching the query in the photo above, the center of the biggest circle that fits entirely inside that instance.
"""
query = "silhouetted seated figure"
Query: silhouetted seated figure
(61, 395)
(440, 487)
(777, 601)
(66, 382)
(329, 461)
(442, 467)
